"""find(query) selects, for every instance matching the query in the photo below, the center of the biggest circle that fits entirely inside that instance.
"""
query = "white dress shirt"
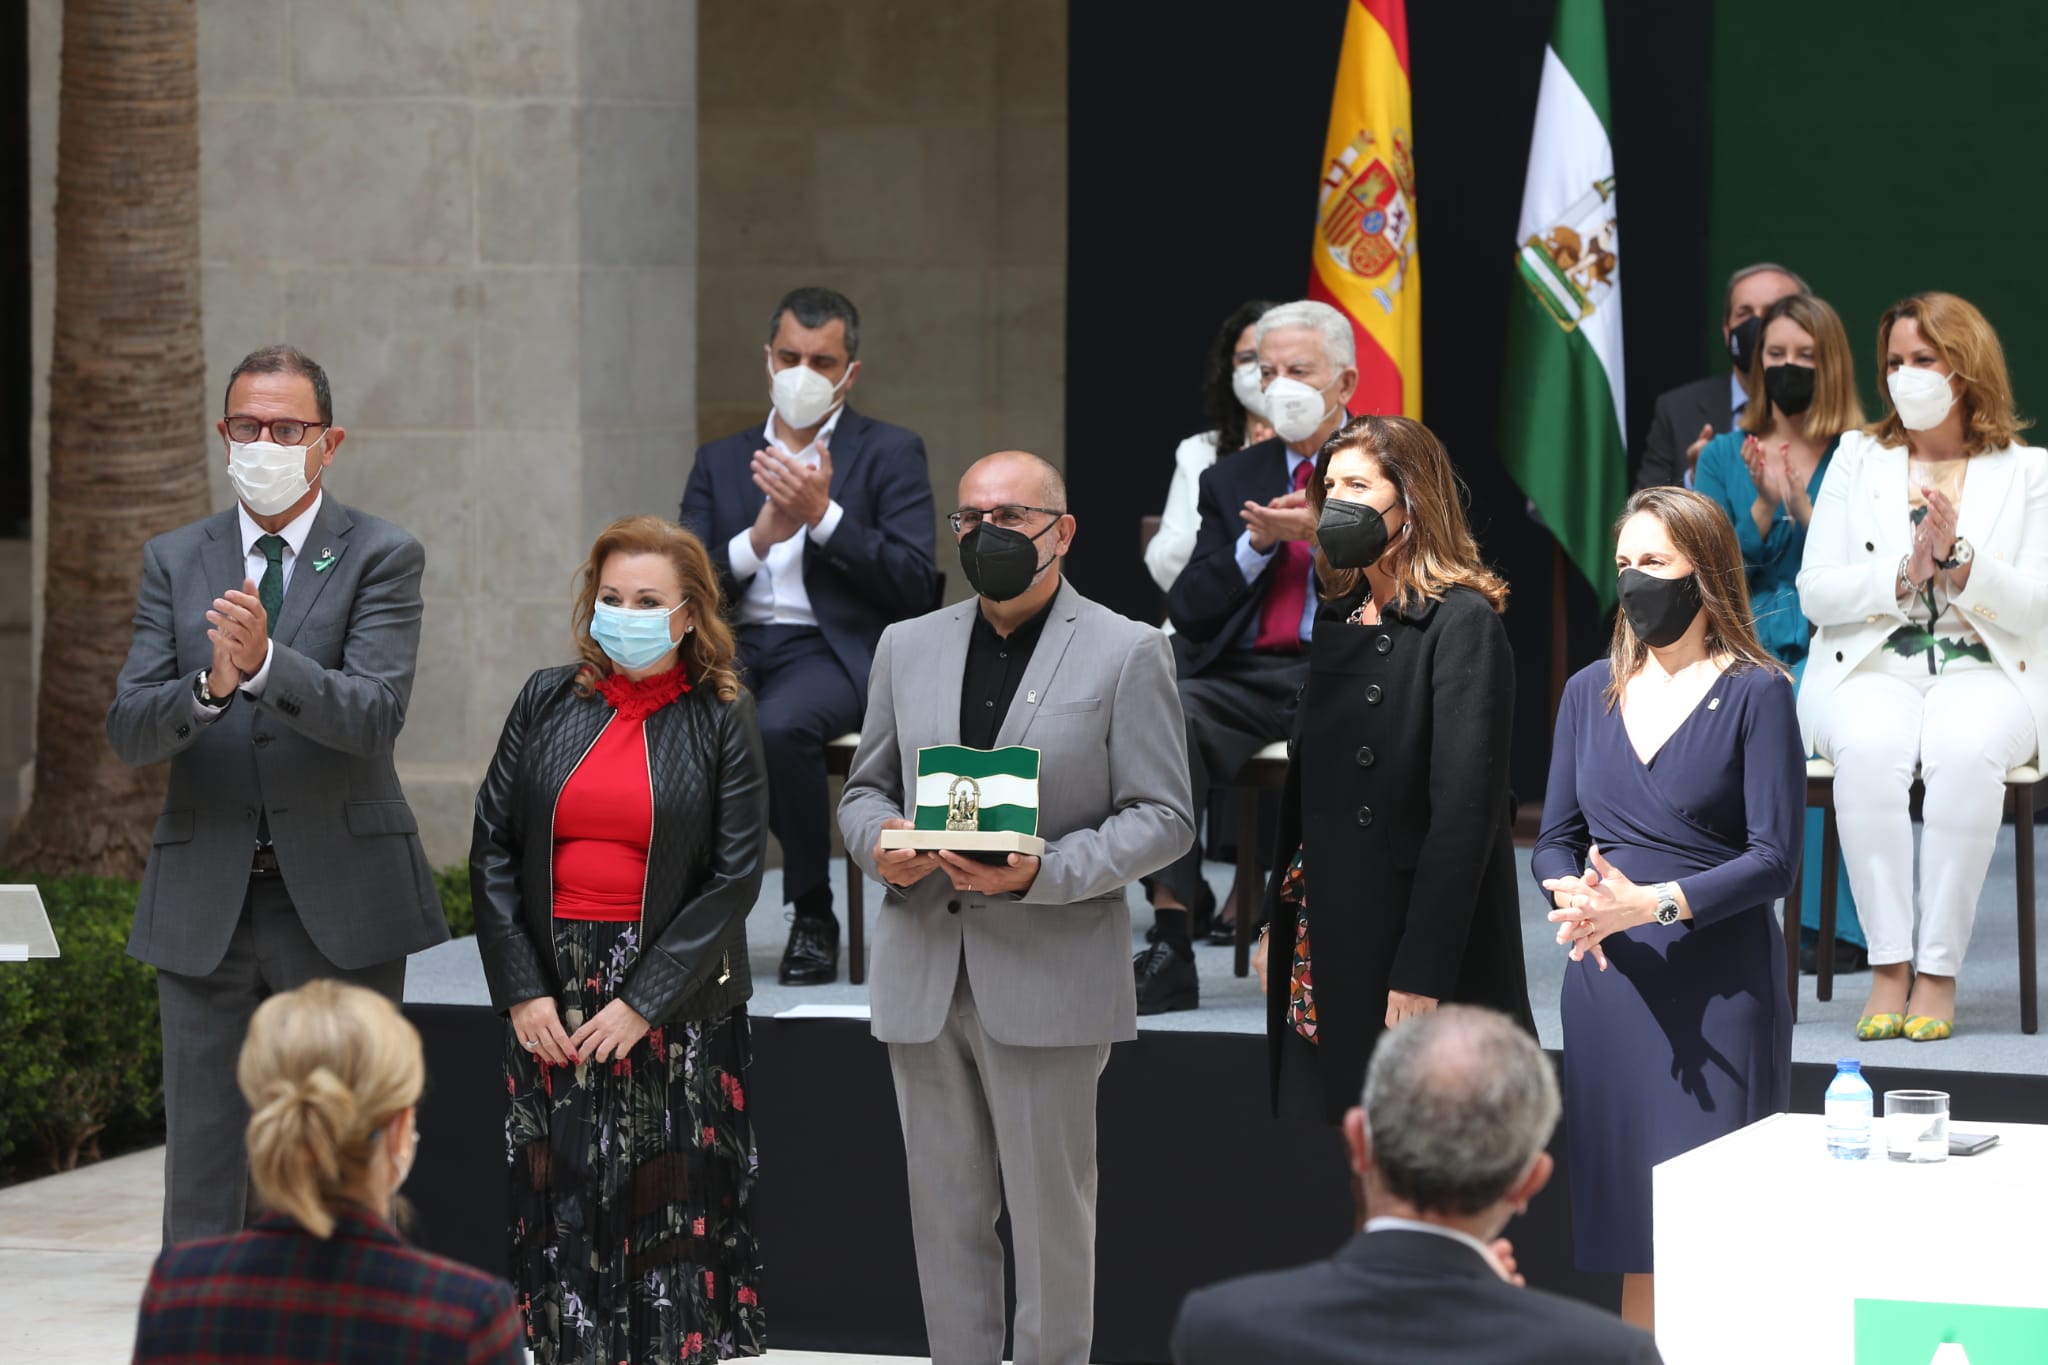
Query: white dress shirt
(774, 592)
(254, 565)
(1384, 1224)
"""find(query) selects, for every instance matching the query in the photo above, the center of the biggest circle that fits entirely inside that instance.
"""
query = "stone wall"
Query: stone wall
(912, 155)
(480, 217)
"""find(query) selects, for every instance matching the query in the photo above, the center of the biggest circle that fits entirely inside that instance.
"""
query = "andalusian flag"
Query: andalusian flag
(989, 790)
(1561, 407)
(1364, 260)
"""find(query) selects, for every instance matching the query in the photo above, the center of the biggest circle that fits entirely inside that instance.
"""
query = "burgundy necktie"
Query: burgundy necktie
(1287, 589)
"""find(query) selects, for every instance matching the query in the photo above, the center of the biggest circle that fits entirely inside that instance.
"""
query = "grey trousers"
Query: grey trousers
(206, 1166)
(983, 1120)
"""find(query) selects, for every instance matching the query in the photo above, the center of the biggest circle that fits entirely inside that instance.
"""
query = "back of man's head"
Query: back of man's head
(1458, 1103)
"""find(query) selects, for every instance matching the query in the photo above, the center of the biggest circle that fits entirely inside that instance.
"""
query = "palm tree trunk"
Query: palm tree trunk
(127, 408)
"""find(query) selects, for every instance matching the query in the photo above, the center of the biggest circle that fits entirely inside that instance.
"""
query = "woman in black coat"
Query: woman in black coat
(1395, 885)
(617, 851)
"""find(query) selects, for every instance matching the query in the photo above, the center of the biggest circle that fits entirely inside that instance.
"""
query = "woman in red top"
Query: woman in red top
(617, 852)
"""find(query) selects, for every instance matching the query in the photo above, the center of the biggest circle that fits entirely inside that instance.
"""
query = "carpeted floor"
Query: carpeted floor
(1987, 1038)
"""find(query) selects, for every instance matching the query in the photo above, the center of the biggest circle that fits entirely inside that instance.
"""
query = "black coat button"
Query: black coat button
(1384, 644)
(1364, 815)
(1838, 656)
(1373, 695)
(1870, 545)
(184, 730)
(1365, 758)
(952, 907)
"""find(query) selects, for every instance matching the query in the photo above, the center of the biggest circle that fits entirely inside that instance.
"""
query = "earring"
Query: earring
(689, 630)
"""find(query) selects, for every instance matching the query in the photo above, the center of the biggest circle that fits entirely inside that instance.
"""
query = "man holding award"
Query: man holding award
(1023, 760)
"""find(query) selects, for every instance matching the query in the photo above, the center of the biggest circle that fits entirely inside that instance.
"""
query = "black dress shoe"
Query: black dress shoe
(1166, 981)
(1848, 958)
(812, 957)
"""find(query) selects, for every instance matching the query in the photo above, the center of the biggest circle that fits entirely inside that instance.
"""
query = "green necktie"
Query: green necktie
(270, 592)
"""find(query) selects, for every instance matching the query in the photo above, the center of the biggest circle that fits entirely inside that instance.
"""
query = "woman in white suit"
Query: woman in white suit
(1926, 573)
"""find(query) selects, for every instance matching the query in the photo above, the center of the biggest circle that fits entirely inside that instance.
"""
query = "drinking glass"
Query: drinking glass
(1916, 1125)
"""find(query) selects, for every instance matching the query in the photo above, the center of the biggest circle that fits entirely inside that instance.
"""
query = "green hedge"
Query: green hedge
(81, 1047)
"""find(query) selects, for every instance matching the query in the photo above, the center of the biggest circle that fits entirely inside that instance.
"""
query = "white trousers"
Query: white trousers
(1963, 730)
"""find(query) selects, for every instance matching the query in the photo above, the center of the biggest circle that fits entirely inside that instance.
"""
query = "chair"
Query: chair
(838, 763)
(2019, 802)
(1264, 771)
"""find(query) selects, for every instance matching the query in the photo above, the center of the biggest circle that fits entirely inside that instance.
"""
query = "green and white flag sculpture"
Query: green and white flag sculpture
(973, 801)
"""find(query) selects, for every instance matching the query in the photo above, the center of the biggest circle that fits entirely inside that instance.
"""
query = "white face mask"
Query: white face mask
(802, 396)
(1923, 398)
(269, 477)
(1295, 409)
(1244, 382)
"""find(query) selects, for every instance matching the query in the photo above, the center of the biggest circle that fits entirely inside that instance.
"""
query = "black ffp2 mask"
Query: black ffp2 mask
(1000, 563)
(1353, 535)
(1659, 610)
(1790, 387)
(1742, 340)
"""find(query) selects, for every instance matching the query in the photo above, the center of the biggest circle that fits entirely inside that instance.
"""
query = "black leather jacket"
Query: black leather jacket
(703, 863)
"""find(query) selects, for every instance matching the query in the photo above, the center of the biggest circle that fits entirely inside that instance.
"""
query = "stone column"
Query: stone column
(480, 217)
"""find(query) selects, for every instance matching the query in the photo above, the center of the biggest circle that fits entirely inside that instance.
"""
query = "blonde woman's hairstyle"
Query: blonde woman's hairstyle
(1438, 553)
(1700, 531)
(324, 1069)
(708, 651)
(1835, 408)
(1964, 340)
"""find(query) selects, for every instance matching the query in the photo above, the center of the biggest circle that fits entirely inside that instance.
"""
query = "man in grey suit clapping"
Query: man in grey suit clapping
(999, 988)
(272, 661)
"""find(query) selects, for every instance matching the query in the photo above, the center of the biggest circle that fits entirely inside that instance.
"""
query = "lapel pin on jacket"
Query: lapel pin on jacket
(1031, 697)
(324, 562)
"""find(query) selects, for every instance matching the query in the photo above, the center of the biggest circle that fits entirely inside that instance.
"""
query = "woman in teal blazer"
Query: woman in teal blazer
(1766, 476)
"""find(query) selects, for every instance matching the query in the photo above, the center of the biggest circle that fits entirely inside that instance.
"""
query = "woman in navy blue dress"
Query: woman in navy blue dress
(1671, 822)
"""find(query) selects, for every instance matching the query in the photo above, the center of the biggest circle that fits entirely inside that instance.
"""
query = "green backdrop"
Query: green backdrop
(1881, 148)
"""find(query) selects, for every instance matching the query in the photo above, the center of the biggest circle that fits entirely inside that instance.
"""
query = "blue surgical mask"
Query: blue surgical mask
(632, 639)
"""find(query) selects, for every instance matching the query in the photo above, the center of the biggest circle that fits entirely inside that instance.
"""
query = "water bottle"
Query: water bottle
(1849, 1107)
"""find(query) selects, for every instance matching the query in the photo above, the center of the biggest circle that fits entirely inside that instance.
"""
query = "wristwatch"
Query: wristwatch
(1959, 554)
(1667, 902)
(205, 696)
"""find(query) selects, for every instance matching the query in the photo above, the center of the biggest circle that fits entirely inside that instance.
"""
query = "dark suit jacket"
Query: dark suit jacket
(1398, 795)
(1675, 424)
(1210, 604)
(881, 564)
(277, 1292)
(315, 749)
(1398, 1298)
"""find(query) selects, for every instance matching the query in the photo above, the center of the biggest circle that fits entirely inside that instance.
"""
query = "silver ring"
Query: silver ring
(527, 1043)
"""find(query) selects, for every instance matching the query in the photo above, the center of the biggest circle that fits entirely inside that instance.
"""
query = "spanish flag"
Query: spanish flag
(1365, 218)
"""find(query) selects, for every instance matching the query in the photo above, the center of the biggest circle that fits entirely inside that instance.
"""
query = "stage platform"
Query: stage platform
(1198, 1182)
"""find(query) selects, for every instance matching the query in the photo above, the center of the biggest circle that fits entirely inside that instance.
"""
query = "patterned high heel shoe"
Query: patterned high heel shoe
(1876, 1028)
(1925, 1028)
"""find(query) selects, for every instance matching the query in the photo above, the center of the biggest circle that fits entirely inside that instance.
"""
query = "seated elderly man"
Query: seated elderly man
(1459, 1107)
(1244, 606)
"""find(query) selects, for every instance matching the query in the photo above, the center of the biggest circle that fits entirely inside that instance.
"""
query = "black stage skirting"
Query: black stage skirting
(1197, 1181)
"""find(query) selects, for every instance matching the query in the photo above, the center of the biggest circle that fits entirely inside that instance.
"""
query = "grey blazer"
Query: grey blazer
(315, 748)
(1052, 967)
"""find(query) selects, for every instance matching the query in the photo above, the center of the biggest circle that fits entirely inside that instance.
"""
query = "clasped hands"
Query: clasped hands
(1599, 902)
(1286, 517)
(1934, 540)
(239, 630)
(798, 495)
(908, 866)
(610, 1033)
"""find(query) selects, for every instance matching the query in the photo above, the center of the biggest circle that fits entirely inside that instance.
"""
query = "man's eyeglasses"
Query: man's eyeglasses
(1010, 516)
(286, 431)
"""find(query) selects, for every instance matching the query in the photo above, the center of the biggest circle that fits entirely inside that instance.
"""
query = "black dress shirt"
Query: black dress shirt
(995, 665)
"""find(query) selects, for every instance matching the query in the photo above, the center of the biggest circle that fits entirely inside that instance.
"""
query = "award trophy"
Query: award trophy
(978, 802)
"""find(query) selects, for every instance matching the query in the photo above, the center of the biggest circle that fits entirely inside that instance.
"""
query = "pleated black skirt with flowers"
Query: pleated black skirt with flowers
(632, 1181)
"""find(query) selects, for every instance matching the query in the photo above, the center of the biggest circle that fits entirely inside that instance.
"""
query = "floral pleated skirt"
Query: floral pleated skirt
(632, 1181)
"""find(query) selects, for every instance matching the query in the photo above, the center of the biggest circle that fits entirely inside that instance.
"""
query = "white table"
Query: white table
(1764, 1244)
